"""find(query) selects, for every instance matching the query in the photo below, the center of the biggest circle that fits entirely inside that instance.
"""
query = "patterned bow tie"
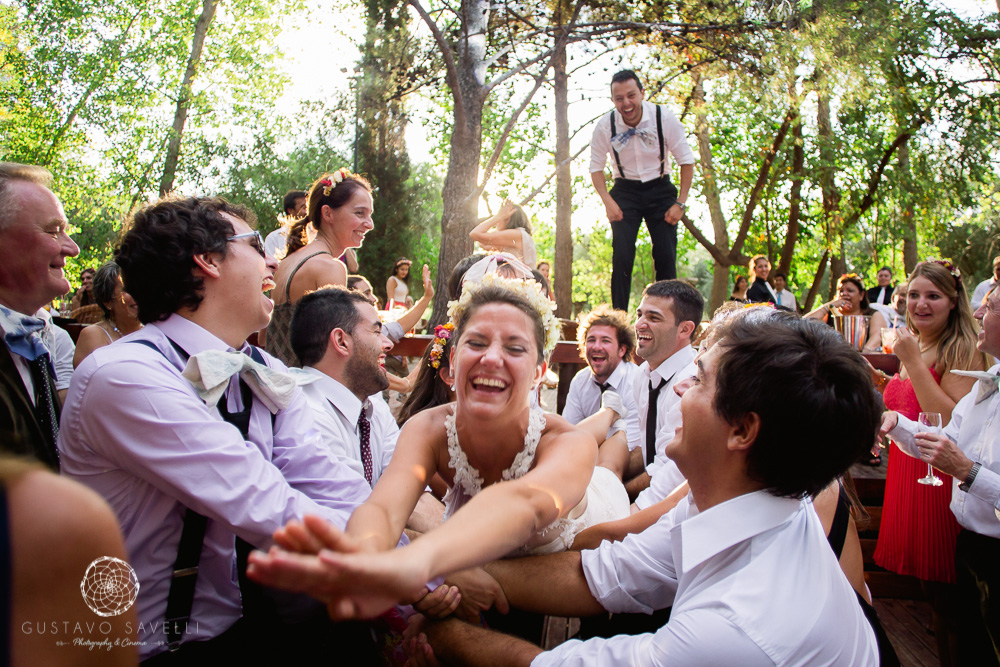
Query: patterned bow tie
(620, 140)
(988, 383)
(209, 372)
(22, 333)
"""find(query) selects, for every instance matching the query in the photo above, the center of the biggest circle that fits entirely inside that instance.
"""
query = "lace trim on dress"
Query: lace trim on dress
(467, 477)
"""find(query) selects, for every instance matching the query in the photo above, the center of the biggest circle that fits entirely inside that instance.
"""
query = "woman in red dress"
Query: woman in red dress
(918, 531)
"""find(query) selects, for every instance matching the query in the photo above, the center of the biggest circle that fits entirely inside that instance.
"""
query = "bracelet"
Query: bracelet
(882, 380)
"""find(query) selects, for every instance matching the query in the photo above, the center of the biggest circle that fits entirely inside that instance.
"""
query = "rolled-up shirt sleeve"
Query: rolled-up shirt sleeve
(676, 138)
(600, 145)
(637, 574)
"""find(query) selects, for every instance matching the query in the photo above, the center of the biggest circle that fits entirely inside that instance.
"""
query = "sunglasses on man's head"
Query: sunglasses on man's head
(256, 241)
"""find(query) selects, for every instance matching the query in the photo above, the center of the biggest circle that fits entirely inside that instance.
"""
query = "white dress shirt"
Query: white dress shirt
(640, 162)
(584, 399)
(276, 242)
(982, 289)
(665, 476)
(336, 411)
(752, 581)
(135, 431)
(975, 428)
(787, 299)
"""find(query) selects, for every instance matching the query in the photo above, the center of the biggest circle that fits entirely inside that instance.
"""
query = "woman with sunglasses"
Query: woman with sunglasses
(339, 208)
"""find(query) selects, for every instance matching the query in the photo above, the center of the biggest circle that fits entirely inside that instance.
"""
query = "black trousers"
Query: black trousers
(978, 624)
(639, 201)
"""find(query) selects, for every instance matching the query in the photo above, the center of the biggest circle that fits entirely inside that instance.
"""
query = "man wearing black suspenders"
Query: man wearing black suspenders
(638, 135)
(204, 445)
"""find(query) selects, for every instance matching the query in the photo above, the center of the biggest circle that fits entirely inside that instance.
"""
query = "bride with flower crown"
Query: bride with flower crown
(522, 481)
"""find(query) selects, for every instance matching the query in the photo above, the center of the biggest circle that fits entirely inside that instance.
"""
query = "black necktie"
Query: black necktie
(365, 431)
(603, 386)
(654, 395)
(43, 378)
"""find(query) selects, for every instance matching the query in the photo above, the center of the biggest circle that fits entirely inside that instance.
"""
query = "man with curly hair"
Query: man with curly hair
(607, 342)
(203, 445)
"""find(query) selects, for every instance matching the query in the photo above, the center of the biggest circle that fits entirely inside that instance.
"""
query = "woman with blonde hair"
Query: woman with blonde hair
(339, 207)
(918, 531)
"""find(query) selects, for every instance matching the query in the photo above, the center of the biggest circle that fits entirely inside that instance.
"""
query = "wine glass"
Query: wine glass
(931, 423)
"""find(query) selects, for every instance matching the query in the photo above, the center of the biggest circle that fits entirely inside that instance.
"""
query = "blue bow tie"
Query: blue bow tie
(22, 333)
(620, 140)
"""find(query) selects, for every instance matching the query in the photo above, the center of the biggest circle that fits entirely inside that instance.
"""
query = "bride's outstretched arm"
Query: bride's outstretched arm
(377, 524)
(493, 523)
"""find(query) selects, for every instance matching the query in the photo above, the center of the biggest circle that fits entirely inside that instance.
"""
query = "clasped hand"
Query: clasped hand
(354, 582)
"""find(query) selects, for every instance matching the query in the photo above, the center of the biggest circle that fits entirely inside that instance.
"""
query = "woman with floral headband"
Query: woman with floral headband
(918, 530)
(521, 480)
(339, 208)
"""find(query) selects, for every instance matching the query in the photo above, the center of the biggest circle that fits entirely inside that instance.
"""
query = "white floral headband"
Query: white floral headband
(528, 289)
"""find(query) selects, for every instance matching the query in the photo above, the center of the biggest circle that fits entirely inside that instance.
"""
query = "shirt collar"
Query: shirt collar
(191, 337)
(617, 376)
(648, 117)
(671, 365)
(340, 397)
(706, 534)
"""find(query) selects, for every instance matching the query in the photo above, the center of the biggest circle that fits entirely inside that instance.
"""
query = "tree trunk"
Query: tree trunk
(909, 222)
(831, 194)
(184, 95)
(710, 188)
(795, 198)
(806, 305)
(460, 194)
(564, 184)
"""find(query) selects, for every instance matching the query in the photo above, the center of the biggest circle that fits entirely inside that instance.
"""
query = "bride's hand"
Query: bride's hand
(312, 535)
(352, 585)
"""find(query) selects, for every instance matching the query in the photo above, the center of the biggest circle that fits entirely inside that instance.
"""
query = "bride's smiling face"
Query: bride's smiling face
(495, 362)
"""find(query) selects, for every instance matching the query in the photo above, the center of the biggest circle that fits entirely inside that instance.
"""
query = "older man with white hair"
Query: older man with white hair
(34, 245)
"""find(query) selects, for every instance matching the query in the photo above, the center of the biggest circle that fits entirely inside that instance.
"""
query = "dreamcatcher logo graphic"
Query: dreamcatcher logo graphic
(109, 586)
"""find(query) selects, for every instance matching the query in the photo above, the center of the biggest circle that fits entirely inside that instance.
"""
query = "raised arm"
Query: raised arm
(409, 319)
(933, 397)
(503, 238)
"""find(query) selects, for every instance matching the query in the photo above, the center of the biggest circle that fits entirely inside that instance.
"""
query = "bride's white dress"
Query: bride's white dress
(605, 500)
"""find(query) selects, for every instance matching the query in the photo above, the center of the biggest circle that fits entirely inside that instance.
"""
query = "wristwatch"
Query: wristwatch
(681, 204)
(964, 486)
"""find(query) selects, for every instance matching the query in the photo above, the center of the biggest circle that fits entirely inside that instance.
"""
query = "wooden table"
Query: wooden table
(567, 355)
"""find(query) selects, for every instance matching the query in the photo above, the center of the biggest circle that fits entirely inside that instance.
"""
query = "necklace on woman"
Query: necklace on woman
(114, 327)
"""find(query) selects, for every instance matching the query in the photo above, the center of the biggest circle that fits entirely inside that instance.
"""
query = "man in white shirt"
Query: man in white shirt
(984, 287)
(785, 298)
(667, 317)
(294, 204)
(34, 245)
(882, 292)
(607, 341)
(638, 135)
(743, 560)
(337, 335)
(969, 451)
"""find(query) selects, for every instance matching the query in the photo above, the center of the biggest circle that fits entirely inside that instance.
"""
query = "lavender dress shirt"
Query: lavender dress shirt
(136, 432)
